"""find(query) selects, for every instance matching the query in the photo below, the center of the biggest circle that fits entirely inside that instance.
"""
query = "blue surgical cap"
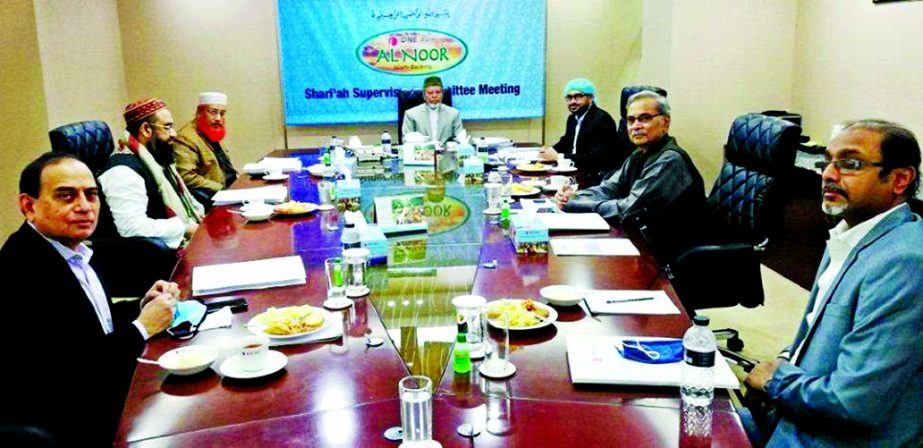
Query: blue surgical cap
(581, 85)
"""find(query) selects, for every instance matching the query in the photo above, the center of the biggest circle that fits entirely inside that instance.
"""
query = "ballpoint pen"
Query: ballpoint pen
(633, 299)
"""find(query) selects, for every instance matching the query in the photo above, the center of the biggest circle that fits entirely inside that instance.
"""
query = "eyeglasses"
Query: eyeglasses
(847, 166)
(166, 127)
(575, 96)
(643, 119)
(215, 112)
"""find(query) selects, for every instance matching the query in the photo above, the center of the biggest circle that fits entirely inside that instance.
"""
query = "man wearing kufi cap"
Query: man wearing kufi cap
(144, 192)
(591, 134)
(201, 159)
(433, 119)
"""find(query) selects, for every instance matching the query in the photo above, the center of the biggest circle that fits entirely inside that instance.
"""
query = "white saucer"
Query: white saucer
(275, 361)
(421, 444)
(491, 211)
(559, 169)
(272, 177)
(337, 304)
(325, 207)
(353, 292)
(506, 373)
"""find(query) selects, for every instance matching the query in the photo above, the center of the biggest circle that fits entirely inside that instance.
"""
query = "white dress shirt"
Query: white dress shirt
(127, 199)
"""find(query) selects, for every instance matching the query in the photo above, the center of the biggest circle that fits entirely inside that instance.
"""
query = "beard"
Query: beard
(214, 133)
(162, 152)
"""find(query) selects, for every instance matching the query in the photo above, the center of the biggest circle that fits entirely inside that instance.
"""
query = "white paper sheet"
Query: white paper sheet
(595, 360)
(286, 164)
(594, 246)
(660, 303)
(574, 221)
(258, 274)
(271, 193)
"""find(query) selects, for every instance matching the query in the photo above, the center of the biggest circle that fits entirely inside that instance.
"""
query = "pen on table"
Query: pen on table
(633, 299)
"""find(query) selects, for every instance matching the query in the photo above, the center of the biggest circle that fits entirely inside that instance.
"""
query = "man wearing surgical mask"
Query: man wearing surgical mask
(433, 119)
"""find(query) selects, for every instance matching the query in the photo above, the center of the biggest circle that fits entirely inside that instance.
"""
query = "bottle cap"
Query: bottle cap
(350, 224)
(700, 320)
(463, 326)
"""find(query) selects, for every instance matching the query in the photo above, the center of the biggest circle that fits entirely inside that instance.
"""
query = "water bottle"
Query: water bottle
(698, 386)
(350, 236)
(386, 141)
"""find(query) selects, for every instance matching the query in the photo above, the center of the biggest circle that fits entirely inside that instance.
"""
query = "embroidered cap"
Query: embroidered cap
(142, 109)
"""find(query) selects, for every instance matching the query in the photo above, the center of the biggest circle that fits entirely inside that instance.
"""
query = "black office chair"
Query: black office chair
(409, 98)
(743, 209)
(128, 266)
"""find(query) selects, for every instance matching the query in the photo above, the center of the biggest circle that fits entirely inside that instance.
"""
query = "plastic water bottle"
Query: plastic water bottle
(461, 354)
(698, 386)
(350, 236)
(386, 141)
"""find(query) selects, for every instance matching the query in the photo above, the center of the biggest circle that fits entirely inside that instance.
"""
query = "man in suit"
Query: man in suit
(433, 119)
(69, 354)
(854, 373)
(658, 178)
(590, 137)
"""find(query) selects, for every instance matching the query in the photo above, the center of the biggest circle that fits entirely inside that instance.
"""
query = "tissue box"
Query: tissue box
(372, 238)
(529, 236)
(348, 193)
(473, 171)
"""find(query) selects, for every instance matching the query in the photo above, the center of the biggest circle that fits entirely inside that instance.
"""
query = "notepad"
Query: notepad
(574, 221)
(258, 274)
(284, 164)
(595, 360)
(626, 301)
(271, 193)
(594, 246)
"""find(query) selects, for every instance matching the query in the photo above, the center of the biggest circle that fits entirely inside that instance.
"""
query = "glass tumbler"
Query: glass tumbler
(416, 408)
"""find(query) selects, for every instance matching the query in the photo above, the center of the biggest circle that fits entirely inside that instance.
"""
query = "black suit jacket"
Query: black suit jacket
(596, 143)
(60, 370)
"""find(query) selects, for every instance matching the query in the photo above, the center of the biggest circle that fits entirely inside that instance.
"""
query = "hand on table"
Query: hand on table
(547, 153)
(762, 373)
(157, 314)
(563, 195)
(161, 287)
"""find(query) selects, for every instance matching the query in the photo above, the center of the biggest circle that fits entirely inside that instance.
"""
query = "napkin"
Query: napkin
(652, 352)
(354, 142)
(414, 137)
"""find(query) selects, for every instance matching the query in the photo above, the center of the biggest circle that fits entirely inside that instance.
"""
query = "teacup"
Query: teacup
(565, 163)
(254, 204)
(252, 352)
(558, 181)
(274, 173)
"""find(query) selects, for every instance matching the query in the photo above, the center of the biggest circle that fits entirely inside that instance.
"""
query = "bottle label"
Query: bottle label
(699, 359)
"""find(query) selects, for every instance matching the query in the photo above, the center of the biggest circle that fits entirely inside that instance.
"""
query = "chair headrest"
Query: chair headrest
(628, 91)
(762, 143)
(90, 141)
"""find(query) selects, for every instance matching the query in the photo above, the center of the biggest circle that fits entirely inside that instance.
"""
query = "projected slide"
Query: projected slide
(344, 62)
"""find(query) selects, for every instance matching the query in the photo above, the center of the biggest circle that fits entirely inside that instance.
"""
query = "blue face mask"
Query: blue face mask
(190, 311)
(652, 352)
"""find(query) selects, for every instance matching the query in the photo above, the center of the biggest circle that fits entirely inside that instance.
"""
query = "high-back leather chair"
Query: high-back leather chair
(624, 146)
(743, 209)
(128, 266)
(409, 98)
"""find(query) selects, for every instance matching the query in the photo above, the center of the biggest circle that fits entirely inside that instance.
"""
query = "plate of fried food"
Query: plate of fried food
(523, 190)
(288, 322)
(532, 167)
(524, 314)
(294, 208)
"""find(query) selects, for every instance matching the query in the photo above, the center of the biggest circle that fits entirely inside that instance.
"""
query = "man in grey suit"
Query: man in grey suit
(854, 373)
(432, 118)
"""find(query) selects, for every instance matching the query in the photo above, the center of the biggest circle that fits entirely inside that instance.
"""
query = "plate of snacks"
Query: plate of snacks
(294, 208)
(532, 167)
(524, 314)
(289, 322)
(523, 190)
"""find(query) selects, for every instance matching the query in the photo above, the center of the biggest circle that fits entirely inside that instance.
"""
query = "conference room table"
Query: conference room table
(345, 392)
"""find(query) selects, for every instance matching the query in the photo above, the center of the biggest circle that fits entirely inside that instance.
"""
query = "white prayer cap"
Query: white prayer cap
(213, 98)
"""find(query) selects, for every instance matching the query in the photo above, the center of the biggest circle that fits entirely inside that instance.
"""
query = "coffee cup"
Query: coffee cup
(252, 352)
(558, 181)
(565, 163)
(254, 204)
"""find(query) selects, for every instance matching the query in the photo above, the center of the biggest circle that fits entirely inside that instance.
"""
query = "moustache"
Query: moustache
(830, 187)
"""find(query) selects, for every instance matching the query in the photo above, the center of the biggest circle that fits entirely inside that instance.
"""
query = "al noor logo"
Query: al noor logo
(412, 52)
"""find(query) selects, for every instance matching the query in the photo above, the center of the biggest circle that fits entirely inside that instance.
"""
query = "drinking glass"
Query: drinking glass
(354, 273)
(336, 289)
(492, 191)
(327, 193)
(416, 408)
(470, 308)
(498, 364)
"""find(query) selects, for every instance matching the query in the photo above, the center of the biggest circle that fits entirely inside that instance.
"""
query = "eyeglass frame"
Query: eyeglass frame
(643, 118)
(165, 127)
(575, 96)
(840, 165)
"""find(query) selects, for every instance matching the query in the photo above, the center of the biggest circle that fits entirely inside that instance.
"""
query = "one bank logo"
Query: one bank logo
(412, 52)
